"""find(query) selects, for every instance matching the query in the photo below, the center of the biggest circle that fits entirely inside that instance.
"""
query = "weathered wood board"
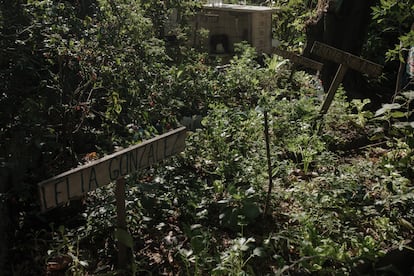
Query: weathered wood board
(349, 60)
(295, 58)
(346, 61)
(76, 182)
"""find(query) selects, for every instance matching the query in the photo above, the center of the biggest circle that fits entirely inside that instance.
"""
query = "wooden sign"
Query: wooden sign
(74, 183)
(346, 60)
(349, 60)
(295, 58)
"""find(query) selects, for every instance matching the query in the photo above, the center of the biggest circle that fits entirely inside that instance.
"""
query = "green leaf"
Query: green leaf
(83, 263)
(405, 223)
(404, 124)
(198, 243)
(179, 74)
(251, 211)
(259, 252)
(185, 252)
(398, 114)
(118, 108)
(409, 95)
(386, 108)
(124, 237)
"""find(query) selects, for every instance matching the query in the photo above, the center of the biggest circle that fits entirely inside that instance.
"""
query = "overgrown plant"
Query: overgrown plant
(102, 77)
(397, 129)
(235, 260)
(65, 254)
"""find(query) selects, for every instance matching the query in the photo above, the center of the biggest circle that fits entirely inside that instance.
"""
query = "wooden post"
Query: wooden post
(339, 76)
(121, 223)
(346, 60)
(269, 163)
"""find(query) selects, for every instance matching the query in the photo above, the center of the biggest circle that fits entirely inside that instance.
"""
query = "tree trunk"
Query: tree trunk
(343, 25)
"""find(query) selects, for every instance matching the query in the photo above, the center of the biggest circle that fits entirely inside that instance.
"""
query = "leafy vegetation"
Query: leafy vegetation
(84, 78)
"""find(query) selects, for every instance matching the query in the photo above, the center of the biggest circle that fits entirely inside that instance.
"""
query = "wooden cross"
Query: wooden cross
(345, 60)
(73, 184)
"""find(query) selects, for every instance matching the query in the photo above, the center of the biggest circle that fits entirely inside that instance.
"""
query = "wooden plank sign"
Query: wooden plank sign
(76, 182)
(295, 58)
(352, 61)
(346, 60)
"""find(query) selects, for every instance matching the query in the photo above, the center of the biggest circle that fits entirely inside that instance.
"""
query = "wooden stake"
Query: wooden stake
(339, 76)
(121, 222)
(269, 163)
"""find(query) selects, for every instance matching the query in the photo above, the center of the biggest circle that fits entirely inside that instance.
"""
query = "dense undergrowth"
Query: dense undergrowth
(342, 191)
(342, 195)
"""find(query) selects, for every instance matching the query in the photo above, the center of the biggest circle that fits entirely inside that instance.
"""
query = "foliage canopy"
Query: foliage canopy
(80, 79)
